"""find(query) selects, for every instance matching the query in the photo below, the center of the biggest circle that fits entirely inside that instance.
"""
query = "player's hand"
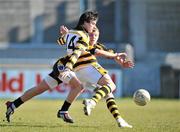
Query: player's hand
(128, 64)
(63, 30)
(67, 69)
(122, 59)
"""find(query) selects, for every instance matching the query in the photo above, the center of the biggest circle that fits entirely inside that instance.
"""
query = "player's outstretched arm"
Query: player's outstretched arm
(73, 59)
(110, 55)
(120, 58)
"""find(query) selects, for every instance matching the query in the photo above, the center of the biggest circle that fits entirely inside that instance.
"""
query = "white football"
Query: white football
(141, 97)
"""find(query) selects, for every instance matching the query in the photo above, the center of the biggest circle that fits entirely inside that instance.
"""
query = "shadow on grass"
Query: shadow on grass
(84, 126)
(28, 125)
(20, 124)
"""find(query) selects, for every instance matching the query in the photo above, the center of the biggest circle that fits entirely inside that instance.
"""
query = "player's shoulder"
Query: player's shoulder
(79, 33)
(99, 45)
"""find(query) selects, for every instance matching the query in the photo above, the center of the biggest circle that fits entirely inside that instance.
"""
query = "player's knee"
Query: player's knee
(75, 83)
(79, 86)
(110, 95)
(112, 86)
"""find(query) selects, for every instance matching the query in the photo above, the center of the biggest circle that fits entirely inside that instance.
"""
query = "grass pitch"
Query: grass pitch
(40, 116)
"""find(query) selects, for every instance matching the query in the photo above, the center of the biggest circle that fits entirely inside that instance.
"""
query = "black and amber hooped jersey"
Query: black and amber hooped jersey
(86, 58)
(77, 42)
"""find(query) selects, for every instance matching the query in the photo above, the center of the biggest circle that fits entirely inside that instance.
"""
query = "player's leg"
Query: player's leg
(73, 94)
(50, 81)
(76, 87)
(98, 74)
(107, 87)
(93, 74)
(84, 75)
(113, 108)
(111, 103)
(30, 93)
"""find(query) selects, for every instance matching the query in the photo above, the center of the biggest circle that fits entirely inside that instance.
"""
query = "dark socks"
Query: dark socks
(18, 102)
(65, 106)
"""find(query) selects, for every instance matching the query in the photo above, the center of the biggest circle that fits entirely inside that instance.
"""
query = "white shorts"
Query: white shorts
(89, 76)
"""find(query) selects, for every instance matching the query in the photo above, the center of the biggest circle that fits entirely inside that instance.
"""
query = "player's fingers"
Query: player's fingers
(128, 64)
(61, 29)
(65, 28)
(131, 64)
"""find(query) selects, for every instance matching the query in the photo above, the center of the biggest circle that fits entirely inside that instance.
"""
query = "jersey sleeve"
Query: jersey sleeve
(81, 44)
(73, 59)
(61, 40)
(92, 51)
(101, 47)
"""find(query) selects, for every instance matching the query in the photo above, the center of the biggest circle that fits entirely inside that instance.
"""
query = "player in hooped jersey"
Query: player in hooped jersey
(90, 72)
(77, 44)
(78, 40)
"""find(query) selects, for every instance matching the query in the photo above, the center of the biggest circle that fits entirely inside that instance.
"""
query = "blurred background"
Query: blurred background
(148, 30)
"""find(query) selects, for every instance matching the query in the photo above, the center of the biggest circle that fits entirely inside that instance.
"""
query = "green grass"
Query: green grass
(40, 116)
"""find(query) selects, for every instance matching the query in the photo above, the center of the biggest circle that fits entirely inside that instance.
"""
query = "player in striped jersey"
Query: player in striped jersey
(78, 42)
(98, 75)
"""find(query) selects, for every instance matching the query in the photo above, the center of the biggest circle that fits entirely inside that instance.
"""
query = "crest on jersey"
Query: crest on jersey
(60, 67)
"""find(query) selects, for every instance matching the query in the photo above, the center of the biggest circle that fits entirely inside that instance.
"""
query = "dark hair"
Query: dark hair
(87, 17)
